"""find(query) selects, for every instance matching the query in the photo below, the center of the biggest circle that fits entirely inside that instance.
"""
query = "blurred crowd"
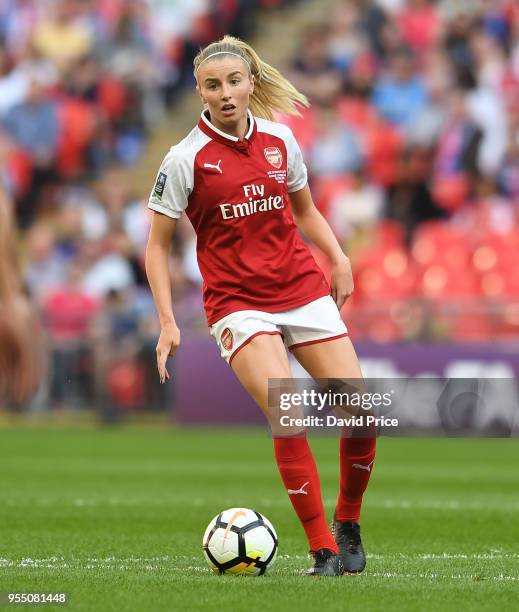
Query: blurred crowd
(412, 143)
(412, 146)
(83, 84)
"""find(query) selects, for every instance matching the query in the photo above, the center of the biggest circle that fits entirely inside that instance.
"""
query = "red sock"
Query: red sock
(356, 462)
(301, 479)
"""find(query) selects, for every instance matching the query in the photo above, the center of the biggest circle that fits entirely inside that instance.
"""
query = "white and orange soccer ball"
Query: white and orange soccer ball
(240, 541)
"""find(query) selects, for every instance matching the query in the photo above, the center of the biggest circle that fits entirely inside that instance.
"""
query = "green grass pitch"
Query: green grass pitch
(115, 519)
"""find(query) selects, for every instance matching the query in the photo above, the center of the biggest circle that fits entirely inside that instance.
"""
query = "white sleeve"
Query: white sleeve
(172, 187)
(297, 173)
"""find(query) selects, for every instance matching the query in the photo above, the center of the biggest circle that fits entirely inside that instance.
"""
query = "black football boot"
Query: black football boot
(351, 551)
(326, 563)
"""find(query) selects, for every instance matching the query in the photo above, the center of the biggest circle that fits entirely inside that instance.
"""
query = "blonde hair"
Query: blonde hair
(272, 91)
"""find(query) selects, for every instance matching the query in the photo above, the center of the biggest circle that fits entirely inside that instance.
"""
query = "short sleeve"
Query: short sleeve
(297, 173)
(173, 185)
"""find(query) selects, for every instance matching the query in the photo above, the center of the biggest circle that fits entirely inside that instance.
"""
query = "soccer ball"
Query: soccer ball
(240, 541)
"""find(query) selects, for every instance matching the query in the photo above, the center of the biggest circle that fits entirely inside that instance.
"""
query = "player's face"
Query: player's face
(225, 86)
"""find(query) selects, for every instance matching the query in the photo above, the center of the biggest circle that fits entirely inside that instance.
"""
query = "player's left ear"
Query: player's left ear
(251, 87)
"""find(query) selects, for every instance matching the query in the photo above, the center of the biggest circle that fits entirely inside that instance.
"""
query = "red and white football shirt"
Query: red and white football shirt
(235, 194)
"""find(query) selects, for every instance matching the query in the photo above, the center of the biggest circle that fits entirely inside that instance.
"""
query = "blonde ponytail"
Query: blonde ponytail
(272, 91)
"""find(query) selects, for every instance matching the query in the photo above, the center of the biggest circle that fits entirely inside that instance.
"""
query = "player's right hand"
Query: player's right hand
(169, 341)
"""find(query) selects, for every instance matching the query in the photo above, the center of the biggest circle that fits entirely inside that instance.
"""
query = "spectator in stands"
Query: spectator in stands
(485, 108)
(45, 265)
(313, 71)
(18, 19)
(459, 141)
(129, 50)
(115, 207)
(13, 84)
(439, 81)
(357, 206)
(110, 206)
(68, 313)
(509, 171)
(457, 39)
(372, 20)
(34, 126)
(419, 25)
(109, 265)
(392, 7)
(409, 198)
(60, 37)
(400, 95)
(489, 59)
(336, 149)
(347, 39)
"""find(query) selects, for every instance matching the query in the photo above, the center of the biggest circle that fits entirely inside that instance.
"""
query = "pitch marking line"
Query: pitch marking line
(401, 504)
(162, 561)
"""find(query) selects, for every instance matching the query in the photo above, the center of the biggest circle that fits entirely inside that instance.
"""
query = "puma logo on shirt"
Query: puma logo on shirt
(215, 166)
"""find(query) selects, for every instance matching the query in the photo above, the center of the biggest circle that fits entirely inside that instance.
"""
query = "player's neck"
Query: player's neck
(238, 129)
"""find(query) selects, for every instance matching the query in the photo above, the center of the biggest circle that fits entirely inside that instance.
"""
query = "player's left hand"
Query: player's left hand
(169, 341)
(341, 282)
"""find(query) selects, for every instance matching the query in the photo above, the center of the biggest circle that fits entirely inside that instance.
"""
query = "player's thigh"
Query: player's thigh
(331, 359)
(264, 357)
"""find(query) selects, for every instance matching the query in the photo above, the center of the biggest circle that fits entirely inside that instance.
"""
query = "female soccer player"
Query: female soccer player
(241, 180)
(20, 365)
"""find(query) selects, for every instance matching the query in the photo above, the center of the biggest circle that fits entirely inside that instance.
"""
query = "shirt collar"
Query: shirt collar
(213, 132)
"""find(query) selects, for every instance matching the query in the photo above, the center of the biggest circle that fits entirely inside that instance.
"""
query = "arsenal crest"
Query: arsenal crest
(227, 339)
(274, 157)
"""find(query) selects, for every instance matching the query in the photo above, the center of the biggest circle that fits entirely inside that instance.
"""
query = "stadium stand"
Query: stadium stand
(412, 145)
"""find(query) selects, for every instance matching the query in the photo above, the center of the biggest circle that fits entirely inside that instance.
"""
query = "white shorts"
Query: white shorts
(311, 323)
